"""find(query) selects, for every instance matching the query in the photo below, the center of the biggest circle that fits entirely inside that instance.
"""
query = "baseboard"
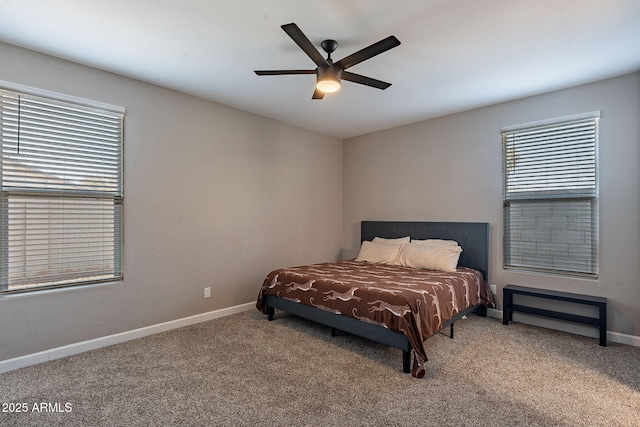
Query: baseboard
(623, 338)
(68, 350)
(492, 312)
(611, 336)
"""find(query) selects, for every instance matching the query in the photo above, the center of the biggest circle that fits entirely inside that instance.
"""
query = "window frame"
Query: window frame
(581, 190)
(98, 194)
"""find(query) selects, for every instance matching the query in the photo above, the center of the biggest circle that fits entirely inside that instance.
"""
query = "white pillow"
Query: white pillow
(399, 240)
(381, 253)
(435, 242)
(442, 258)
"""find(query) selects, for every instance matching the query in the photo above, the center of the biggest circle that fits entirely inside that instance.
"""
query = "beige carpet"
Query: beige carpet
(245, 370)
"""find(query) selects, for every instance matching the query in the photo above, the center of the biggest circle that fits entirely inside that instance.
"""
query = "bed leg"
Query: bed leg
(406, 361)
(270, 312)
(451, 331)
(482, 311)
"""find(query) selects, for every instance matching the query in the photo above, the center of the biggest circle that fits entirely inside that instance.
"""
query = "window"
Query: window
(550, 196)
(61, 192)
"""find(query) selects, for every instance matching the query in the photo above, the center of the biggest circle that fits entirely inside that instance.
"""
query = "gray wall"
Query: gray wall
(213, 197)
(449, 168)
(218, 197)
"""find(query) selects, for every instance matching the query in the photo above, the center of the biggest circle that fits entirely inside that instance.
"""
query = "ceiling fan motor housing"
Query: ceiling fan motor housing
(328, 78)
(329, 72)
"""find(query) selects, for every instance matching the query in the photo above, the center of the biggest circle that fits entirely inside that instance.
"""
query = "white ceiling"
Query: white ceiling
(455, 54)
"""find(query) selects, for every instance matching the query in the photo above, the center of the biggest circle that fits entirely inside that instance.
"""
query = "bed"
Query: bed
(396, 305)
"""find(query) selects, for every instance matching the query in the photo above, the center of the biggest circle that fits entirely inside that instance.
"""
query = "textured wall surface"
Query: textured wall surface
(450, 169)
(213, 197)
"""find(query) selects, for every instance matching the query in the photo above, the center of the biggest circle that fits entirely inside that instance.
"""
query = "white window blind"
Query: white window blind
(61, 193)
(551, 196)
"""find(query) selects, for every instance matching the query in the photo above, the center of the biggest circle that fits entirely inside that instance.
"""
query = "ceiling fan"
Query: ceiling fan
(328, 74)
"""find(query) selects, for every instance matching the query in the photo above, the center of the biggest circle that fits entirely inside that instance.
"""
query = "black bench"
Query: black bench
(599, 302)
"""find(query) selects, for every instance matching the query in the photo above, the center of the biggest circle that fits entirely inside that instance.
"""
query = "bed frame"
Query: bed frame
(473, 237)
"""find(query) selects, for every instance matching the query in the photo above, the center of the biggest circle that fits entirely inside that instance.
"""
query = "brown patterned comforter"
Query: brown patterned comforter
(414, 302)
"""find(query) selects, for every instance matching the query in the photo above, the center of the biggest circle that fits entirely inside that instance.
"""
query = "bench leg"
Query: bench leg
(507, 302)
(603, 324)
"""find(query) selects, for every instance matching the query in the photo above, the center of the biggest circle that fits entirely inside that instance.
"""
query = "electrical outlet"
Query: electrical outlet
(207, 292)
(493, 289)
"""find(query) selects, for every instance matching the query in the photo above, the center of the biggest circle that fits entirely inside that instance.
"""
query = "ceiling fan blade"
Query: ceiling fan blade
(317, 94)
(368, 52)
(301, 40)
(282, 72)
(363, 80)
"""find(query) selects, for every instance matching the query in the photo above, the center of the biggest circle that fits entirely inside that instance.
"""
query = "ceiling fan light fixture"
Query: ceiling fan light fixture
(328, 79)
(328, 85)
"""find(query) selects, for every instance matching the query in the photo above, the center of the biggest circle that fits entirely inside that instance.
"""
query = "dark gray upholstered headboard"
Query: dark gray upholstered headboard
(473, 237)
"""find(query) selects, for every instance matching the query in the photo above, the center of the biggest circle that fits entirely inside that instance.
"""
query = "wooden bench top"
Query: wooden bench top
(558, 295)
